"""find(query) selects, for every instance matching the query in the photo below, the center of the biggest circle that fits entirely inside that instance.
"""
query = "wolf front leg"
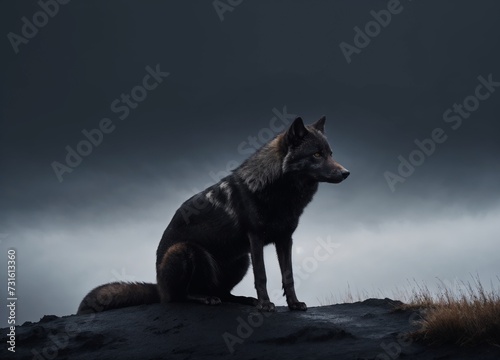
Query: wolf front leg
(284, 251)
(259, 273)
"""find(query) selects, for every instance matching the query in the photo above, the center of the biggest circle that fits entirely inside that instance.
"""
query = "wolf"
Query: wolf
(207, 247)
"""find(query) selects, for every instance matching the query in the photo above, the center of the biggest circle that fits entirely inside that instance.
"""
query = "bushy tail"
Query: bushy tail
(118, 295)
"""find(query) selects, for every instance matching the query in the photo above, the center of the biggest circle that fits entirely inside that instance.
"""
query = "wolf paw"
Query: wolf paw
(298, 305)
(266, 306)
(212, 300)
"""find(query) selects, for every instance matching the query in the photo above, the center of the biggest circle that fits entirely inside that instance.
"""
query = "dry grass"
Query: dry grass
(469, 315)
(463, 313)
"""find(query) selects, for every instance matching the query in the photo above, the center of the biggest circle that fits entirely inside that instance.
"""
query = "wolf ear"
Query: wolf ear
(296, 131)
(320, 124)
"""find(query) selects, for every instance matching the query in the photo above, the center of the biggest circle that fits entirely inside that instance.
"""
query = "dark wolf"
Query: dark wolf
(207, 247)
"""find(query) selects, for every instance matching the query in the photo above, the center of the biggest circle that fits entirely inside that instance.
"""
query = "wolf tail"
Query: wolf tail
(117, 295)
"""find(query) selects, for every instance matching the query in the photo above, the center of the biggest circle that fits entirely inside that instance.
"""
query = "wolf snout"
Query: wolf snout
(345, 173)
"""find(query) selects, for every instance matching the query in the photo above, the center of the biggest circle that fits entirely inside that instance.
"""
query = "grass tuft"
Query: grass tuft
(470, 315)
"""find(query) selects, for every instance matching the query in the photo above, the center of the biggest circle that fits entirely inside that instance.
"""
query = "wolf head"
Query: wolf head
(301, 150)
(308, 153)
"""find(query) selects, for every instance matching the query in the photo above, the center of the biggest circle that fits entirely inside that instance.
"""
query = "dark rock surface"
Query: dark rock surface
(364, 330)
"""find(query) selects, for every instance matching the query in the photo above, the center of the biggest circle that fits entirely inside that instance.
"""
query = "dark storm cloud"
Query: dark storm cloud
(227, 76)
(225, 80)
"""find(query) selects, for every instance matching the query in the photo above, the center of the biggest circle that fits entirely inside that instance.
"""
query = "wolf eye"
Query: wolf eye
(317, 155)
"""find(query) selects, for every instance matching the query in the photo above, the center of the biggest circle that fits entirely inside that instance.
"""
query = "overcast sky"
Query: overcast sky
(222, 82)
